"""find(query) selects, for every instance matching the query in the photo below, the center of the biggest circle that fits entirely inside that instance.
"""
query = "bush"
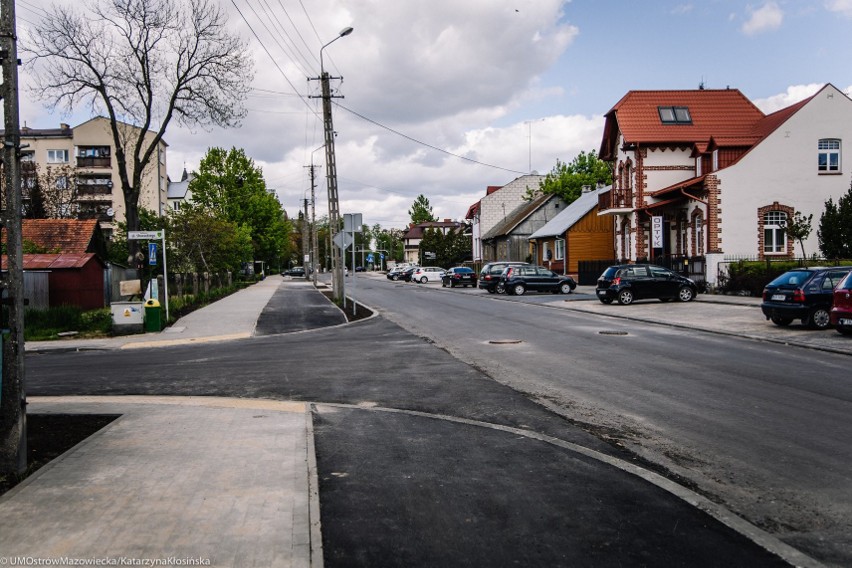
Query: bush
(40, 324)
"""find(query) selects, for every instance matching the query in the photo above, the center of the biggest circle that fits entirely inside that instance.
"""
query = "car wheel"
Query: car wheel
(424, 280)
(518, 289)
(491, 290)
(605, 300)
(783, 322)
(565, 288)
(500, 288)
(685, 294)
(818, 318)
(394, 277)
(443, 284)
(452, 284)
(625, 297)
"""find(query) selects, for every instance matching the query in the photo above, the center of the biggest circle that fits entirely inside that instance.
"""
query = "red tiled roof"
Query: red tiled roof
(725, 113)
(492, 188)
(59, 235)
(472, 210)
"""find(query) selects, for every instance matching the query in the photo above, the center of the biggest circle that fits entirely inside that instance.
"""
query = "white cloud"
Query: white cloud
(842, 6)
(768, 17)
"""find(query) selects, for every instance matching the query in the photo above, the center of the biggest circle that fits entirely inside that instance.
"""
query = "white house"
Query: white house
(704, 173)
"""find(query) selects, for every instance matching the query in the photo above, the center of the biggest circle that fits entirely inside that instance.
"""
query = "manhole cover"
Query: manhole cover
(610, 332)
(504, 341)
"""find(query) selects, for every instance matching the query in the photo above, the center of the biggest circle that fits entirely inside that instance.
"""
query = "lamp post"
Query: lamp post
(331, 174)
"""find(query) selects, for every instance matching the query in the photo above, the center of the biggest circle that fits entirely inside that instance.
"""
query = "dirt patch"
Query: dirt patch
(361, 311)
(51, 435)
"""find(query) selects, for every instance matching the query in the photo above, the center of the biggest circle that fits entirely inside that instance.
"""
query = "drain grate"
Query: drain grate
(612, 332)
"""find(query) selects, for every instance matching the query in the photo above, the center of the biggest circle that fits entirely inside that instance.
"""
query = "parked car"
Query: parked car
(459, 275)
(803, 293)
(394, 273)
(626, 283)
(841, 311)
(407, 273)
(489, 276)
(517, 280)
(360, 269)
(297, 272)
(424, 274)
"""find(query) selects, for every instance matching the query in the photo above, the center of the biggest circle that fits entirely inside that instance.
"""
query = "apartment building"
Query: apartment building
(87, 153)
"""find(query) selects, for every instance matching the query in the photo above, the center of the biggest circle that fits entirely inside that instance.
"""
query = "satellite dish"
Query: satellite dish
(110, 212)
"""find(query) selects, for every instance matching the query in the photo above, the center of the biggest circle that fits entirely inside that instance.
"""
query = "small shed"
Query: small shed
(74, 279)
(576, 234)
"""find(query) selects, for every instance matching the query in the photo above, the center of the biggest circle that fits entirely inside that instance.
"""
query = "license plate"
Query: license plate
(601, 292)
(779, 297)
(844, 321)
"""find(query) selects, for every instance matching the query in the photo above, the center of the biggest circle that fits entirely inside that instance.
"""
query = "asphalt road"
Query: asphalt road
(764, 428)
(420, 486)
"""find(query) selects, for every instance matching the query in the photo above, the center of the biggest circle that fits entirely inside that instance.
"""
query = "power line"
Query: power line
(416, 141)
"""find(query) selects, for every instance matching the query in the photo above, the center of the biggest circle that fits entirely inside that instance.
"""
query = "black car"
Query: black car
(460, 275)
(628, 282)
(406, 274)
(518, 279)
(804, 293)
(489, 276)
(297, 272)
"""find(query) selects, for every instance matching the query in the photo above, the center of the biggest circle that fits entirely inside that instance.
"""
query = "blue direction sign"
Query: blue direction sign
(152, 254)
(370, 257)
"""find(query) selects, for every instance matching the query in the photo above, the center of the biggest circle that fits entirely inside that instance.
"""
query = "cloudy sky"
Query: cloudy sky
(444, 98)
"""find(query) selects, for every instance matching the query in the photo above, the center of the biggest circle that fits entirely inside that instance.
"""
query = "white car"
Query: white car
(426, 273)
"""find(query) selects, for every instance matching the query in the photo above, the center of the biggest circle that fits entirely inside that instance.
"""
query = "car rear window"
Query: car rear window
(846, 283)
(609, 273)
(792, 279)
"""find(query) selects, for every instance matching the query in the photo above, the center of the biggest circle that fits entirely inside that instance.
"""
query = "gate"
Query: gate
(588, 271)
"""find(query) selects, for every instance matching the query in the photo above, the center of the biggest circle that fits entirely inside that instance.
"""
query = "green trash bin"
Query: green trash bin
(153, 318)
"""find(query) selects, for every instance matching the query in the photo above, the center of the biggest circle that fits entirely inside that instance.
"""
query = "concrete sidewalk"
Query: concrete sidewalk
(191, 480)
(232, 317)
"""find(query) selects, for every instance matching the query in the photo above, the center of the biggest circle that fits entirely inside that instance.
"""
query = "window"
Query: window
(715, 165)
(57, 156)
(828, 157)
(774, 235)
(674, 115)
(560, 249)
(546, 253)
(62, 182)
(698, 166)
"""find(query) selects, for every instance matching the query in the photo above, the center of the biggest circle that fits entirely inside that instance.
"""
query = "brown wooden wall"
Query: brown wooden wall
(591, 238)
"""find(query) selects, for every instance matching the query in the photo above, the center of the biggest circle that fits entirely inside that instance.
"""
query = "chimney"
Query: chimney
(587, 188)
(448, 220)
(63, 126)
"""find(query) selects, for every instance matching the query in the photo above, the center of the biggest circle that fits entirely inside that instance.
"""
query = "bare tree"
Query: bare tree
(141, 63)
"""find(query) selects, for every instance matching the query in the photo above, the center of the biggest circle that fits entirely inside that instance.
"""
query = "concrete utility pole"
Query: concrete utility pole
(13, 400)
(314, 238)
(306, 239)
(331, 174)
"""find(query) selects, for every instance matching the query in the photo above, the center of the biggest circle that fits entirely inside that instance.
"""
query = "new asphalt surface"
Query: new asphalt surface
(445, 468)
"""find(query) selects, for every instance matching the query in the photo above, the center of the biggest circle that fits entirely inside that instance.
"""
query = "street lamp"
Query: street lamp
(331, 174)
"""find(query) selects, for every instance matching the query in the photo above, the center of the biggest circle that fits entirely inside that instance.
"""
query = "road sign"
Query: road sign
(144, 235)
(343, 240)
(370, 258)
(382, 256)
(352, 222)
(152, 254)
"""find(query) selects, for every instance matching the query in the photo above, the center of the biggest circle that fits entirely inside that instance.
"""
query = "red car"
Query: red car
(841, 311)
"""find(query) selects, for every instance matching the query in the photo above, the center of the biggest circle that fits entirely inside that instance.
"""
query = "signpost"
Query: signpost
(153, 236)
(657, 232)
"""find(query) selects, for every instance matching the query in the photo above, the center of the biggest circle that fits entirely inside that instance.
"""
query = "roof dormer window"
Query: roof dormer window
(674, 115)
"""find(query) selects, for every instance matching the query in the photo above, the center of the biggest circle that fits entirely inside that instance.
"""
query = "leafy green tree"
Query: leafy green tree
(450, 249)
(421, 211)
(230, 185)
(203, 241)
(799, 228)
(835, 228)
(567, 180)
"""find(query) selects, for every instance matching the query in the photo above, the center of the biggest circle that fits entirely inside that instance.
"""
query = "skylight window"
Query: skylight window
(675, 115)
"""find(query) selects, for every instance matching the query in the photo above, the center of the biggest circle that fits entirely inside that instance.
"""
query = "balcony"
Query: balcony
(615, 201)
(94, 162)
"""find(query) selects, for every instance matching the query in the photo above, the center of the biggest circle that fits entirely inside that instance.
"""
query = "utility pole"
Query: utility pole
(331, 174)
(306, 239)
(13, 400)
(314, 238)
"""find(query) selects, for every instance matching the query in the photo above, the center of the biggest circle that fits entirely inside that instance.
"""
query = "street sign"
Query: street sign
(152, 254)
(656, 232)
(370, 258)
(343, 240)
(144, 235)
(382, 255)
(352, 222)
